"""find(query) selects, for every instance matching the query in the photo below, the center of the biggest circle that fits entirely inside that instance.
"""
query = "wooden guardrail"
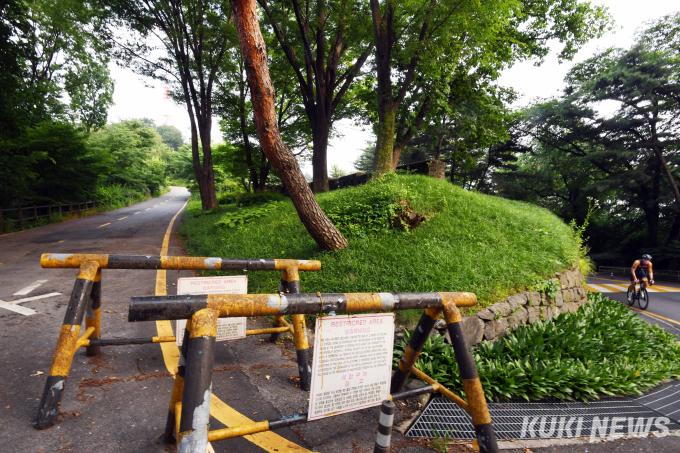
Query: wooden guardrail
(72, 207)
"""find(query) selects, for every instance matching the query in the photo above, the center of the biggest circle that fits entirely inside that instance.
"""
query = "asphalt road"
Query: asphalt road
(118, 402)
(664, 300)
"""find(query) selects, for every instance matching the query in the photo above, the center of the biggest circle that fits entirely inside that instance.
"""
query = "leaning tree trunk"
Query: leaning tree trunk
(254, 54)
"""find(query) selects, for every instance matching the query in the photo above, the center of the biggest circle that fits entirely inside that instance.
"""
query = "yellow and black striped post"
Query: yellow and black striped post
(195, 412)
(177, 388)
(93, 314)
(413, 349)
(67, 344)
(290, 284)
(474, 392)
(383, 437)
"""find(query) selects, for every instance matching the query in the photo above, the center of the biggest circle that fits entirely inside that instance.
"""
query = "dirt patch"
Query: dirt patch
(408, 218)
(80, 396)
(114, 380)
(295, 380)
(98, 362)
(228, 368)
(267, 367)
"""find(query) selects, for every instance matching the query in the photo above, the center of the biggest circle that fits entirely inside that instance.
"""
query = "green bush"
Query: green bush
(602, 349)
(244, 215)
(248, 199)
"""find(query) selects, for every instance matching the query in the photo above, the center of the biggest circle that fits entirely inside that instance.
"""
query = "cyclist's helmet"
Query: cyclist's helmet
(647, 257)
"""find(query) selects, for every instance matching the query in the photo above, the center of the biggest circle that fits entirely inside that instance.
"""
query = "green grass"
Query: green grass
(469, 242)
(602, 349)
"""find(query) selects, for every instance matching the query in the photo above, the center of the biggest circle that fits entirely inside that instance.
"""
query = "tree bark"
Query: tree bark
(320, 157)
(388, 104)
(205, 176)
(404, 137)
(321, 85)
(254, 53)
(674, 233)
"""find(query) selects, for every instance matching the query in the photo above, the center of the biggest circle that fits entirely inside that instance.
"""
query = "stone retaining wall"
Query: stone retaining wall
(501, 318)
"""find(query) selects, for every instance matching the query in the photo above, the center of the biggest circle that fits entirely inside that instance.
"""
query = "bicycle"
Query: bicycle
(641, 295)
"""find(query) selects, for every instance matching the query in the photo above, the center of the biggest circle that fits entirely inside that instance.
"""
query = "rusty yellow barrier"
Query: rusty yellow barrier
(86, 300)
(192, 434)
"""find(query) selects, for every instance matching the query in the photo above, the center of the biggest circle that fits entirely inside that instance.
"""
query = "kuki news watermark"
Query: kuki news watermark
(552, 427)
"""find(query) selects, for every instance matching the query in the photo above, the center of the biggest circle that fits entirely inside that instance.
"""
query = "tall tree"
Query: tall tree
(419, 44)
(90, 90)
(238, 126)
(254, 53)
(326, 44)
(195, 35)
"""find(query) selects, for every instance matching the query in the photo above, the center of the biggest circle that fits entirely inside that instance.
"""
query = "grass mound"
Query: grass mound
(468, 242)
(603, 348)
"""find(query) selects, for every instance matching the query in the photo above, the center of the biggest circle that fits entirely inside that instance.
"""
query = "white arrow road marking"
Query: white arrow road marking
(29, 288)
(17, 308)
(21, 301)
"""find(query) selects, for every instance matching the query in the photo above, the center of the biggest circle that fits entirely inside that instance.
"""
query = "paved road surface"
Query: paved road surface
(117, 403)
(664, 300)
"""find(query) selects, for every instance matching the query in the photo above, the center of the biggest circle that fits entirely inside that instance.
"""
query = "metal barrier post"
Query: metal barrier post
(471, 383)
(177, 388)
(195, 412)
(67, 344)
(384, 436)
(93, 314)
(420, 334)
(290, 279)
(279, 320)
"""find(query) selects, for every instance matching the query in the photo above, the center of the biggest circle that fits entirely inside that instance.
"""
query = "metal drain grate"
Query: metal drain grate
(664, 399)
(517, 419)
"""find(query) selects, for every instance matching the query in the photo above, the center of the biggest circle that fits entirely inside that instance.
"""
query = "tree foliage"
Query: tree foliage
(614, 136)
(421, 46)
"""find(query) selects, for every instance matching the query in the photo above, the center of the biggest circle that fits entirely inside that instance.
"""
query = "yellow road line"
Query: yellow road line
(136, 212)
(147, 209)
(655, 315)
(104, 225)
(123, 218)
(155, 206)
(219, 409)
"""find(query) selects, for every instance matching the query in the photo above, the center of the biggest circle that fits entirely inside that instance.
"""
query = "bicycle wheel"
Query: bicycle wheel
(643, 300)
(630, 297)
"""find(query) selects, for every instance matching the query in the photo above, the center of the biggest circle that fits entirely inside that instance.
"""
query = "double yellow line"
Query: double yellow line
(219, 409)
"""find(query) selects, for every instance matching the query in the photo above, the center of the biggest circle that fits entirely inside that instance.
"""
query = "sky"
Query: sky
(132, 99)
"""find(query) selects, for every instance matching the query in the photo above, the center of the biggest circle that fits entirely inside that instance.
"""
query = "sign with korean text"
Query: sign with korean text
(227, 328)
(352, 363)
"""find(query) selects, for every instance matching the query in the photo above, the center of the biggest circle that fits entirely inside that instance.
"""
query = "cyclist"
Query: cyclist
(639, 272)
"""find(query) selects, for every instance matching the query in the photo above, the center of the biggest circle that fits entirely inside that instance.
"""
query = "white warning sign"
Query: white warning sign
(352, 363)
(227, 328)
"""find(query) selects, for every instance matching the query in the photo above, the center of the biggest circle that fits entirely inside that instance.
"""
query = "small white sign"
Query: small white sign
(227, 328)
(352, 363)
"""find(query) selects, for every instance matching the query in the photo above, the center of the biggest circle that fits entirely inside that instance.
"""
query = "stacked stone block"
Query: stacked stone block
(501, 318)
